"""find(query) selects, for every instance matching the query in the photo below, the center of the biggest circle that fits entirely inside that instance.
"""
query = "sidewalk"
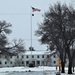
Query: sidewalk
(4, 73)
(54, 73)
(34, 73)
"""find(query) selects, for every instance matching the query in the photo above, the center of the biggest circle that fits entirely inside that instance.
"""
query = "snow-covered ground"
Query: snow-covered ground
(41, 70)
(11, 69)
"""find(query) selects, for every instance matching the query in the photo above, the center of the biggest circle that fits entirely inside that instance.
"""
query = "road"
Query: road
(29, 73)
(34, 73)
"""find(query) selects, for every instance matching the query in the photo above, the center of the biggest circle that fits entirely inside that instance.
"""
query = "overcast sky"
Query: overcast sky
(18, 13)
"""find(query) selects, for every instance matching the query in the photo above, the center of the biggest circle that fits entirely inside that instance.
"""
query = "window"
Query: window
(33, 63)
(10, 56)
(38, 62)
(27, 62)
(5, 62)
(11, 62)
(54, 62)
(17, 56)
(43, 62)
(22, 56)
(38, 56)
(27, 56)
(42, 56)
(22, 62)
(54, 56)
(0, 62)
(32, 56)
(47, 56)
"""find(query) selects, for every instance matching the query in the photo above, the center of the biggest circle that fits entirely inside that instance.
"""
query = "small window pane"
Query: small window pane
(10, 56)
(27, 62)
(5, 62)
(22, 62)
(11, 62)
(0, 62)
(32, 56)
(38, 62)
(47, 56)
(22, 56)
(17, 56)
(54, 62)
(42, 56)
(38, 56)
(27, 56)
(54, 56)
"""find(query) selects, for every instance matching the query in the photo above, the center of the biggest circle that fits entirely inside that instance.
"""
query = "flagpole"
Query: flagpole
(34, 9)
(31, 30)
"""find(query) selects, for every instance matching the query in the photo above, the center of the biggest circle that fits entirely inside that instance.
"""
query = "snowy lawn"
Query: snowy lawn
(41, 70)
(18, 69)
(4, 73)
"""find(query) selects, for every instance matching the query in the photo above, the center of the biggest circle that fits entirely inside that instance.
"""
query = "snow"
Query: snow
(3, 73)
(42, 52)
(41, 70)
(35, 52)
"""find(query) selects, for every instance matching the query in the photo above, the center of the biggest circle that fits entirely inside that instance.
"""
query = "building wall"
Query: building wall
(26, 59)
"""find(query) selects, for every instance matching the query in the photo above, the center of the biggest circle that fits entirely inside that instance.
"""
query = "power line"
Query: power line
(19, 13)
(32, 39)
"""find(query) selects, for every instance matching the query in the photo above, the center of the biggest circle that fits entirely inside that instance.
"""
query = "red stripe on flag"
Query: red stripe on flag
(35, 9)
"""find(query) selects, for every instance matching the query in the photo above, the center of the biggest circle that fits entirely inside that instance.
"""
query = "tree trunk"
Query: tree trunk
(70, 60)
(73, 68)
(70, 67)
(63, 67)
(62, 62)
(73, 65)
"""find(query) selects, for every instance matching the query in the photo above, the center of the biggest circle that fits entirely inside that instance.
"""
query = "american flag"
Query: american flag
(35, 9)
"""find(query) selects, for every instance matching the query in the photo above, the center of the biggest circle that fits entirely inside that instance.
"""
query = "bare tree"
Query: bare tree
(31, 48)
(5, 49)
(58, 26)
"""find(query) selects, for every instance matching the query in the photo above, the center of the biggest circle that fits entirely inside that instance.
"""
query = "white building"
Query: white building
(39, 58)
